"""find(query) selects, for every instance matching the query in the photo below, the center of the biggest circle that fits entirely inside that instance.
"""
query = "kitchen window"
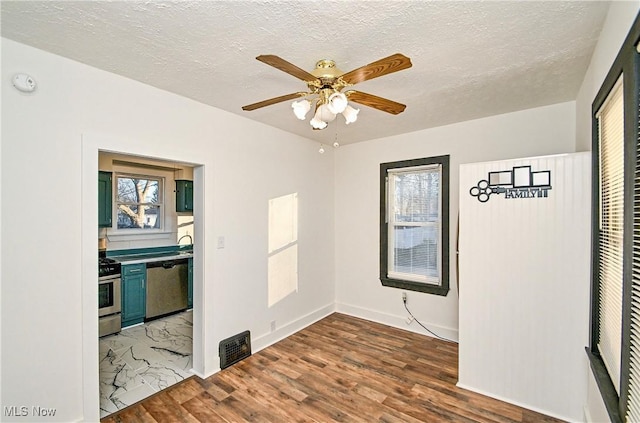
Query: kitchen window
(414, 225)
(139, 202)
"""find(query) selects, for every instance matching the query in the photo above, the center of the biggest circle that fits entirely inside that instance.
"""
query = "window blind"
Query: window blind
(633, 403)
(611, 134)
(414, 225)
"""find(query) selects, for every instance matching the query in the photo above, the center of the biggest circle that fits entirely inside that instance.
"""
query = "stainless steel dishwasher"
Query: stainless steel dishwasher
(167, 287)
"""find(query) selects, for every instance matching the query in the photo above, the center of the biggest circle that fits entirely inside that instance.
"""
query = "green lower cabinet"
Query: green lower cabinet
(134, 284)
(190, 289)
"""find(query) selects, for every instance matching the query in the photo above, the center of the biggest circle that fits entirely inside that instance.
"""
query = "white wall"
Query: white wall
(615, 29)
(540, 131)
(50, 143)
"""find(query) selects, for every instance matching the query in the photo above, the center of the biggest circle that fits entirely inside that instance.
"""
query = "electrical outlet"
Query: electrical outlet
(409, 320)
(404, 297)
(273, 326)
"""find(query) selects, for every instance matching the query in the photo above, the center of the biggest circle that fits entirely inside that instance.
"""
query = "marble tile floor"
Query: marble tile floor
(145, 359)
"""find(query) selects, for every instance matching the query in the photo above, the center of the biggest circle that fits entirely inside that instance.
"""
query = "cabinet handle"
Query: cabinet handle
(135, 270)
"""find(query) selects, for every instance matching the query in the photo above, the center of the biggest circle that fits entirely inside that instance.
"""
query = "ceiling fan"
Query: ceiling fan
(325, 88)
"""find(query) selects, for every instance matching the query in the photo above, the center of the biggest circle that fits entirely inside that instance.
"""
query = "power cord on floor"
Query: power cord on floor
(404, 300)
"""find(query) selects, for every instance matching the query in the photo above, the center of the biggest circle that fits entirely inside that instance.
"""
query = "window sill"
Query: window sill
(136, 236)
(415, 286)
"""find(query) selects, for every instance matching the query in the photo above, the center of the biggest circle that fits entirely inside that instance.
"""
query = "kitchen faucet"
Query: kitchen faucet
(185, 236)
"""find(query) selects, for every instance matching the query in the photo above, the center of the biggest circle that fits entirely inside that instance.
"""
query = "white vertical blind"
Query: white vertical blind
(633, 404)
(611, 137)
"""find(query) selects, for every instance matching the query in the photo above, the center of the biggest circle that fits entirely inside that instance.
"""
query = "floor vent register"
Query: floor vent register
(234, 349)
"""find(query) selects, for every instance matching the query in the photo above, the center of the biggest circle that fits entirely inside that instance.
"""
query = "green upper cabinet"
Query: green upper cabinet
(104, 199)
(184, 195)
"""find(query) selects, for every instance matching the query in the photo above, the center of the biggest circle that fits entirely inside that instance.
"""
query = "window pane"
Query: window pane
(416, 250)
(610, 263)
(416, 196)
(138, 217)
(135, 190)
(138, 202)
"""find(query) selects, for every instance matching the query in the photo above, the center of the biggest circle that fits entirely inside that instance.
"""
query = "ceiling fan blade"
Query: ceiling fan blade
(376, 102)
(274, 100)
(393, 63)
(285, 66)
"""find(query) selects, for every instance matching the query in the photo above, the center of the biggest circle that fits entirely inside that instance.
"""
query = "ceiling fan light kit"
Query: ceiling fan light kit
(350, 114)
(324, 113)
(317, 123)
(301, 108)
(337, 103)
(325, 84)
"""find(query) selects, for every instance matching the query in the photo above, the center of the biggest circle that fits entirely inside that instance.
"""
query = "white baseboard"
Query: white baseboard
(399, 322)
(519, 404)
(263, 341)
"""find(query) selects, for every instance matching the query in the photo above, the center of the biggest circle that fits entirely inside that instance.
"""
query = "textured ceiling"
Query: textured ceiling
(470, 59)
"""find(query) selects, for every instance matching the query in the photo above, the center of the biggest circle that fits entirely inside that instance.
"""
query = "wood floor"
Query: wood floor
(339, 369)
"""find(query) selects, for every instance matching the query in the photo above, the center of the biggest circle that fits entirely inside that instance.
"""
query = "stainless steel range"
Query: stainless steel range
(109, 305)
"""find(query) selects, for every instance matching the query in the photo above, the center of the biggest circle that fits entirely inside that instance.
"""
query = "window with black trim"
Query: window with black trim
(614, 350)
(414, 225)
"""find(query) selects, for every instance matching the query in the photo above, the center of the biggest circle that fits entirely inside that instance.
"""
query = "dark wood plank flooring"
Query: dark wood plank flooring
(340, 369)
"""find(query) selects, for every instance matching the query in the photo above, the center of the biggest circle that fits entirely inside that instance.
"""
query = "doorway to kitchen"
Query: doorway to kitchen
(145, 210)
(150, 354)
